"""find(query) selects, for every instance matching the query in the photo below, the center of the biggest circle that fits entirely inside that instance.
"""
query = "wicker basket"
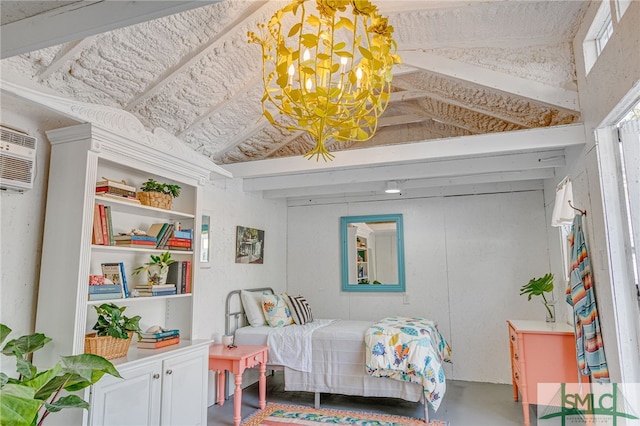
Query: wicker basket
(106, 346)
(155, 199)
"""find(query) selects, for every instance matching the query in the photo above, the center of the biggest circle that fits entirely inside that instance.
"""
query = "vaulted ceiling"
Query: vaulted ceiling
(469, 68)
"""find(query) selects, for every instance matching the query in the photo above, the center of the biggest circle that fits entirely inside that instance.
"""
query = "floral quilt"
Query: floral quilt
(410, 349)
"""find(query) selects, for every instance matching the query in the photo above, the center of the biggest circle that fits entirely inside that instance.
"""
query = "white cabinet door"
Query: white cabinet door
(133, 401)
(184, 389)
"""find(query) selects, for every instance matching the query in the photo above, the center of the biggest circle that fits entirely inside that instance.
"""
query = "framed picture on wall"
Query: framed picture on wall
(249, 245)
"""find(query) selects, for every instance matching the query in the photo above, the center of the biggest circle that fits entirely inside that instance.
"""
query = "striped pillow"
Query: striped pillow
(300, 310)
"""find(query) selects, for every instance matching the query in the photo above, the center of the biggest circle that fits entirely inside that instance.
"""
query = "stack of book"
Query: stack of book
(135, 240)
(156, 290)
(105, 291)
(180, 240)
(159, 340)
(167, 237)
(117, 190)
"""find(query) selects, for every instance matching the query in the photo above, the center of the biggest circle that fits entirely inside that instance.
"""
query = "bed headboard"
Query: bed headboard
(234, 316)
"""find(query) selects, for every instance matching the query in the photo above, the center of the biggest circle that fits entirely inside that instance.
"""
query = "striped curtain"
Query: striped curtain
(580, 295)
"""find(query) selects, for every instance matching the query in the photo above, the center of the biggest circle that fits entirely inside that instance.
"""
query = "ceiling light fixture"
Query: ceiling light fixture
(392, 187)
(328, 74)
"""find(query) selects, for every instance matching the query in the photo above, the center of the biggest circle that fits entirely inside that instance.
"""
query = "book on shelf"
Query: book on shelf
(162, 242)
(160, 334)
(107, 213)
(157, 339)
(125, 287)
(103, 223)
(115, 273)
(187, 279)
(120, 198)
(154, 230)
(161, 344)
(105, 296)
(152, 290)
(109, 183)
(183, 233)
(135, 238)
(174, 275)
(96, 237)
(126, 243)
(179, 242)
(105, 189)
(105, 288)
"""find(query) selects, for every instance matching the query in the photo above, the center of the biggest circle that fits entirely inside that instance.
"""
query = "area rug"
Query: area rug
(288, 415)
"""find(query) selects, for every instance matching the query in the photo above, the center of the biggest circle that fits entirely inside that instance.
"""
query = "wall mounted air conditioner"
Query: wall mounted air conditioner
(17, 160)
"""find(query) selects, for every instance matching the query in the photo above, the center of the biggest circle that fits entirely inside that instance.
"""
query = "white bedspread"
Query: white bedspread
(291, 345)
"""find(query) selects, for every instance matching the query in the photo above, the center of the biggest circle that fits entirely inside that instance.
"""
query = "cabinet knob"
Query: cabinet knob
(169, 371)
(513, 338)
(156, 376)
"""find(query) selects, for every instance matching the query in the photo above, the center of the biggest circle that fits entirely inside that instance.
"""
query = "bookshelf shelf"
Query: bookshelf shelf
(128, 207)
(125, 249)
(138, 299)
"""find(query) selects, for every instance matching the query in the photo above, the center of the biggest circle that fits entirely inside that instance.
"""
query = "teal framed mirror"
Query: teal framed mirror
(372, 249)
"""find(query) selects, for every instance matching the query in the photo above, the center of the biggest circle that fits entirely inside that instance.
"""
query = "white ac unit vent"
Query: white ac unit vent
(17, 160)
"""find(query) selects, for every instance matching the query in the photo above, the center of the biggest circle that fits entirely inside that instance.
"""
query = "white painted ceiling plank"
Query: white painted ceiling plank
(416, 170)
(83, 19)
(380, 186)
(449, 191)
(464, 146)
(531, 89)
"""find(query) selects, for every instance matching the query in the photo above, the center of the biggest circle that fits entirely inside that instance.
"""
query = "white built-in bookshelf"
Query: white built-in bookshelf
(81, 155)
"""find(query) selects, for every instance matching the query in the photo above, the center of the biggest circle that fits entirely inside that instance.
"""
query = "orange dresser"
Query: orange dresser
(541, 352)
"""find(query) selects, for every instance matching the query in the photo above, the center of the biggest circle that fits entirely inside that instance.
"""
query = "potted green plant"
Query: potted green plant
(113, 332)
(28, 399)
(157, 268)
(157, 194)
(538, 287)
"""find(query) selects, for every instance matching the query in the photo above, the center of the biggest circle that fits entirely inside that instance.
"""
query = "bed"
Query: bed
(322, 356)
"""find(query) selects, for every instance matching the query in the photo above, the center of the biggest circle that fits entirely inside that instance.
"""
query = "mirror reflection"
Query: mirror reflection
(372, 253)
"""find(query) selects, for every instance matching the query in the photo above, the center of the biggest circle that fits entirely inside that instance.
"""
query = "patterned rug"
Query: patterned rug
(288, 415)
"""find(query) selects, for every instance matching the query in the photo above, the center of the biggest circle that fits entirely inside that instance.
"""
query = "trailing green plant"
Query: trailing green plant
(111, 322)
(538, 287)
(28, 399)
(152, 186)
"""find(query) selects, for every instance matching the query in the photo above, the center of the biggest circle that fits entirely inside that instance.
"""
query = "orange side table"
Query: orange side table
(236, 360)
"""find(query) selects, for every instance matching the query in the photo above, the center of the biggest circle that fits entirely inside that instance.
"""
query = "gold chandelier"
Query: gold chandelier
(328, 74)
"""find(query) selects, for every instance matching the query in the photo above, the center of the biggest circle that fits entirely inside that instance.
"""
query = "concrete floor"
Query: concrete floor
(464, 404)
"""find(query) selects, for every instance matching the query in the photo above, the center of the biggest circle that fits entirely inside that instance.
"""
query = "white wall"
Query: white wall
(22, 223)
(465, 259)
(602, 95)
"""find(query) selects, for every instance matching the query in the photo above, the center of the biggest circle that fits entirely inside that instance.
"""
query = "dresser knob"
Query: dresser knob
(513, 338)
(517, 376)
(156, 376)
(169, 372)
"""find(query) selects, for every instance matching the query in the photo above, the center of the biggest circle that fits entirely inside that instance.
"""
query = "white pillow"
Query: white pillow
(300, 310)
(252, 303)
(276, 310)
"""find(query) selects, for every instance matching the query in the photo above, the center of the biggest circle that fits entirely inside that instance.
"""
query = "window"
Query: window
(598, 35)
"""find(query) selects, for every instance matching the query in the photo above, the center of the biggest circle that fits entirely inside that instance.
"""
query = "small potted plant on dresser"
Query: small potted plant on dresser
(538, 287)
(156, 194)
(113, 332)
